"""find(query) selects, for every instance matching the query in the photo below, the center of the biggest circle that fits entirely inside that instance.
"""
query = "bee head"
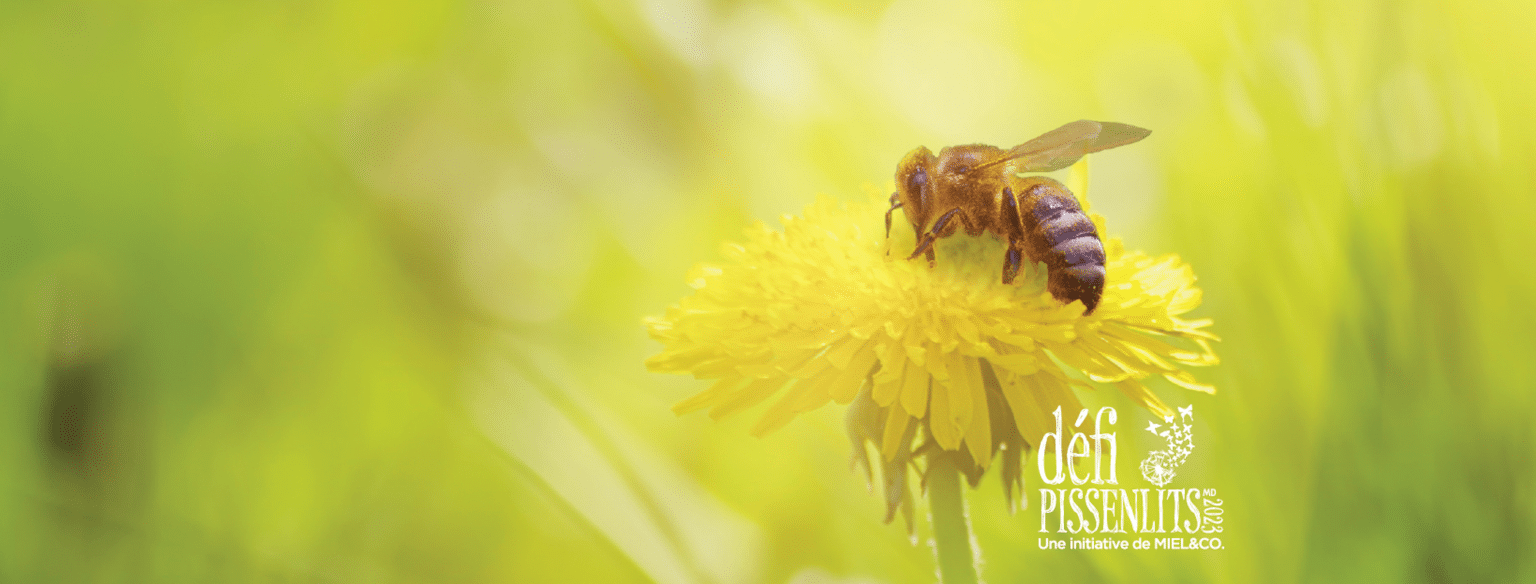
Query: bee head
(912, 173)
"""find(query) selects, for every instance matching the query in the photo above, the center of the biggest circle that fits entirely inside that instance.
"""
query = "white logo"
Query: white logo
(1103, 517)
(1158, 467)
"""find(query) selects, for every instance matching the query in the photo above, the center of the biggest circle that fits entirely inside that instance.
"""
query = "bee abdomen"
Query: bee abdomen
(1078, 250)
(1076, 255)
(1083, 282)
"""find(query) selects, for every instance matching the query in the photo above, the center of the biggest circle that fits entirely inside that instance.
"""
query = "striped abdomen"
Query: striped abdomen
(1058, 233)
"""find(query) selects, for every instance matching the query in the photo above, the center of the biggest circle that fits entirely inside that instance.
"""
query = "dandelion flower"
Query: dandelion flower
(942, 360)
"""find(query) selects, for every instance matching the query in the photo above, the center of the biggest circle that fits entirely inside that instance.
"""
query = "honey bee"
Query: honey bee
(978, 186)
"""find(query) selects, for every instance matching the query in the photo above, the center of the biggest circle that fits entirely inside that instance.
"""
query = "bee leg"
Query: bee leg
(1015, 227)
(895, 204)
(928, 239)
(1011, 264)
(925, 245)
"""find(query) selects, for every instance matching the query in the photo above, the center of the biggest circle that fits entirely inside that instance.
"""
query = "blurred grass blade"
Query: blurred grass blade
(654, 513)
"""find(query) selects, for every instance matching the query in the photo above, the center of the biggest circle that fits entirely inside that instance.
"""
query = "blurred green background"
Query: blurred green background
(351, 291)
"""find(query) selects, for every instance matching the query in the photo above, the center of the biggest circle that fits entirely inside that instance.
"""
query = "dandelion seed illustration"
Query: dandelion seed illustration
(1160, 466)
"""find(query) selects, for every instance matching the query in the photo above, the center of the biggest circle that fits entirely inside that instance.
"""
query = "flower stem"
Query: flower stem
(951, 526)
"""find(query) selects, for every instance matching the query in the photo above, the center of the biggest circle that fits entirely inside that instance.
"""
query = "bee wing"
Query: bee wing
(1059, 148)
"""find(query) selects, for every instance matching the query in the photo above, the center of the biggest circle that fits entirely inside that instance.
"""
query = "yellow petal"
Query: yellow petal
(1021, 395)
(893, 370)
(1016, 363)
(1095, 367)
(978, 435)
(1138, 392)
(709, 396)
(754, 393)
(895, 427)
(1054, 392)
(846, 385)
(963, 374)
(914, 390)
(785, 409)
(842, 353)
(1185, 380)
(940, 421)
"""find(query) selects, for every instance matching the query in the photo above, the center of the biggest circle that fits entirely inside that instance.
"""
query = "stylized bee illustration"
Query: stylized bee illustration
(979, 186)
